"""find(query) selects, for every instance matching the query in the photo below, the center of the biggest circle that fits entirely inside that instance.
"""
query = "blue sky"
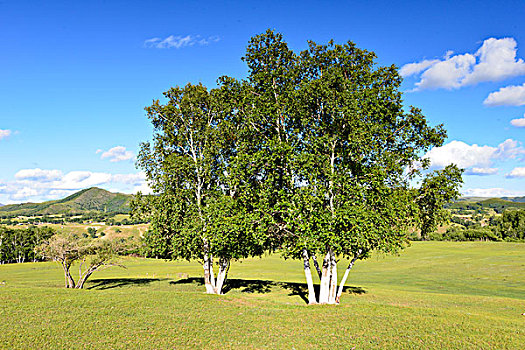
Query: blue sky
(75, 78)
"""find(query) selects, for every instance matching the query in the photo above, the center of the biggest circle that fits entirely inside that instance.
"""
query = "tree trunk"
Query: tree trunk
(309, 281)
(212, 274)
(66, 279)
(85, 276)
(210, 289)
(70, 282)
(316, 264)
(345, 276)
(224, 267)
(325, 280)
(333, 279)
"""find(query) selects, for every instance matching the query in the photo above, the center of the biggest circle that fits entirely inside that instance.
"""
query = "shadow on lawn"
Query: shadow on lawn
(265, 286)
(110, 283)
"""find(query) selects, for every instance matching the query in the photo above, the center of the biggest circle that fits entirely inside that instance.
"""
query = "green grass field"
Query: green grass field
(435, 295)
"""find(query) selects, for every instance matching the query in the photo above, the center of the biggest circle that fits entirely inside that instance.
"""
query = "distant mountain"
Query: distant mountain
(1, 205)
(498, 204)
(90, 200)
(514, 199)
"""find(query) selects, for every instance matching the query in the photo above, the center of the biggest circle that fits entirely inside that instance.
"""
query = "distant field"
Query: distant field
(109, 231)
(435, 295)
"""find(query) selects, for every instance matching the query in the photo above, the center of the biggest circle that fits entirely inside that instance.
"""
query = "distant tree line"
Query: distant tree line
(17, 245)
(108, 218)
(510, 226)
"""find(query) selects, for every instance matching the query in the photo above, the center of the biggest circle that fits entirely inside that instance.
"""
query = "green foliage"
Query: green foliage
(92, 232)
(197, 168)
(511, 225)
(17, 245)
(437, 189)
(91, 254)
(310, 151)
(469, 234)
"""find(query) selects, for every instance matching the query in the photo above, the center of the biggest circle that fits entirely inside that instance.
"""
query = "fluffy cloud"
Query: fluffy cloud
(513, 95)
(38, 175)
(495, 60)
(520, 122)
(476, 159)
(491, 192)
(116, 154)
(516, 172)
(415, 68)
(178, 41)
(481, 171)
(4, 133)
(39, 185)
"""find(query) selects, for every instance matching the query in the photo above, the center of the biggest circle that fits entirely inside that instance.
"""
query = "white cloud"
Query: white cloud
(447, 74)
(179, 41)
(513, 95)
(481, 171)
(116, 154)
(132, 179)
(38, 175)
(520, 122)
(476, 159)
(38, 185)
(495, 60)
(23, 193)
(516, 172)
(491, 192)
(82, 179)
(4, 133)
(415, 68)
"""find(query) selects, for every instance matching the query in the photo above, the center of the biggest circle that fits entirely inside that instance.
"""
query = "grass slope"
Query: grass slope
(435, 295)
(89, 200)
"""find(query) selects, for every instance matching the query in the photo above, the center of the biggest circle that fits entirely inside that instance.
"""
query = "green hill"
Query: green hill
(85, 201)
(498, 204)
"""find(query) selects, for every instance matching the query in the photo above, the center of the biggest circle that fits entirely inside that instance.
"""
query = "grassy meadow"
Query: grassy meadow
(435, 295)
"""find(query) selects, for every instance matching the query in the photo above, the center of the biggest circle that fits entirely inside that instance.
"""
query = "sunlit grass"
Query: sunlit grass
(435, 295)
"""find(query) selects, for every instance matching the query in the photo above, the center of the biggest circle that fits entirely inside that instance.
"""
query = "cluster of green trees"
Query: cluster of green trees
(312, 154)
(17, 245)
(510, 226)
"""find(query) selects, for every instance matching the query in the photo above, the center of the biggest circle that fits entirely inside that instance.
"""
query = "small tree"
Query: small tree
(91, 255)
(437, 189)
(92, 232)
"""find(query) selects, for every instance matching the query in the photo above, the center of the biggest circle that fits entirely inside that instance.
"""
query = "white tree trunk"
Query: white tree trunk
(210, 289)
(223, 273)
(325, 280)
(333, 279)
(345, 276)
(309, 281)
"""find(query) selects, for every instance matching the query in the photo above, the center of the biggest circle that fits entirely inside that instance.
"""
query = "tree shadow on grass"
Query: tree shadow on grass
(109, 283)
(265, 286)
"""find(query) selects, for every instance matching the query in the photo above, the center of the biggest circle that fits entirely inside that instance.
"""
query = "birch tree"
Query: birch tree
(198, 169)
(337, 146)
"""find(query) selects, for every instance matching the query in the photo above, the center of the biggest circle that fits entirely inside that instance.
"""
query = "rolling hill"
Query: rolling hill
(90, 200)
(498, 204)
